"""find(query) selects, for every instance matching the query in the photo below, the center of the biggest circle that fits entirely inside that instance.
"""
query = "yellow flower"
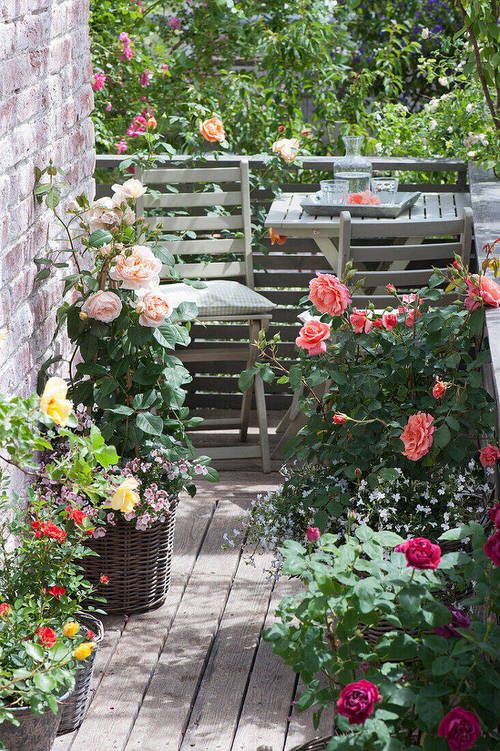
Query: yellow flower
(125, 498)
(84, 650)
(71, 628)
(53, 401)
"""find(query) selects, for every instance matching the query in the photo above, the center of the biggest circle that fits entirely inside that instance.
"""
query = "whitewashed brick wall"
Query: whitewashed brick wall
(45, 103)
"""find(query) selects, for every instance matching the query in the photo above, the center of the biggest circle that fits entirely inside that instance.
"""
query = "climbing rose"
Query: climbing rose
(121, 147)
(71, 628)
(328, 294)
(103, 306)
(481, 291)
(212, 130)
(489, 455)
(139, 270)
(130, 190)
(312, 336)
(99, 81)
(492, 547)
(154, 309)
(494, 514)
(357, 701)
(420, 553)
(53, 402)
(48, 529)
(460, 728)
(287, 148)
(57, 592)
(360, 321)
(125, 497)
(47, 636)
(417, 436)
(459, 619)
(83, 651)
(312, 534)
(145, 78)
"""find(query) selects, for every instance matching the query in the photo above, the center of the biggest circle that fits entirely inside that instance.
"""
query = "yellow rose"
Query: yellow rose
(125, 498)
(71, 628)
(83, 651)
(53, 401)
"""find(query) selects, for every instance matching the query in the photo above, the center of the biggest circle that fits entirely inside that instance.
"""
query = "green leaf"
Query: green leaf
(122, 409)
(148, 423)
(442, 665)
(442, 436)
(100, 237)
(45, 682)
(246, 378)
(35, 651)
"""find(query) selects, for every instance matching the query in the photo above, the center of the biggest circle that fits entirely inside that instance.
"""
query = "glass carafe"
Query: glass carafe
(353, 167)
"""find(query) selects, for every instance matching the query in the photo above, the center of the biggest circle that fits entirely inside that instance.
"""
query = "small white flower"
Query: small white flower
(443, 81)
(425, 33)
(469, 108)
(432, 124)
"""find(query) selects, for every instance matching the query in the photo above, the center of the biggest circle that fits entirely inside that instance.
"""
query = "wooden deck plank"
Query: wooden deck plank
(301, 727)
(265, 713)
(119, 697)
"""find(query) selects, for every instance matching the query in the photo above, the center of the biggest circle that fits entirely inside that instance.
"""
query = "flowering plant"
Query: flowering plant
(388, 390)
(377, 648)
(122, 324)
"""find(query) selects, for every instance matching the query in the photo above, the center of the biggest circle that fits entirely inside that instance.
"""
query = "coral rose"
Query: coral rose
(153, 309)
(357, 701)
(494, 514)
(131, 190)
(360, 321)
(481, 291)
(461, 729)
(212, 130)
(276, 238)
(5, 609)
(53, 401)
(420, 553)
(139, 270)
(439, 388)
(328, 294)
(287, 148)
(313, 534)
(492, 547)
(103, 306)
(365, 198)
(389, 319)
(125, 498)
(312, 336)
(417, 436)
(489, 455)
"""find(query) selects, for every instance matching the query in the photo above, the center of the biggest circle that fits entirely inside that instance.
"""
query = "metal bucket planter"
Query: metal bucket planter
(34, 732)
(75, 707)
(137, 563)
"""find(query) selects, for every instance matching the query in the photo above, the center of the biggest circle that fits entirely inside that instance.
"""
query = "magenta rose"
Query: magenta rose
(494, 514)
(357, 701)
(420, 553)
(313, 534)
(492, 547)
(459, 619)
(460, 728)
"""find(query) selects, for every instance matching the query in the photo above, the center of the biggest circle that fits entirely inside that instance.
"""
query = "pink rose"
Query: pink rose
(492, 547)
(494, 514)
(360, 321)
(139, 270)
(153, 309)
(420, 553)
(481, 291)
(103, 306)
(489, 455)
(313, 534)
(328, 294)
(417, 436)
(460, 728)
(389, 319)
(312, 336)
(98, 81)
(121, 147)
(357, 701)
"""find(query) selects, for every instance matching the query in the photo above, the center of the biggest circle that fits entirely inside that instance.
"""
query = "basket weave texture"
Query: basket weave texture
(138, 565)
(319, 744)
(75, 707)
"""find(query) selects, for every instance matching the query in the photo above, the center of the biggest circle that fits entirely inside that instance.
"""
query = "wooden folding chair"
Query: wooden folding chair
(212, 241)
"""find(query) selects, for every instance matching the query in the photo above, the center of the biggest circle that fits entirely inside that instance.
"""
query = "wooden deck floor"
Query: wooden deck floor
(196, 674)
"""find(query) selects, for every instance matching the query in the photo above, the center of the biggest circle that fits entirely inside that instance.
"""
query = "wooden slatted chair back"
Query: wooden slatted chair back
(392, 260)
(206, 227)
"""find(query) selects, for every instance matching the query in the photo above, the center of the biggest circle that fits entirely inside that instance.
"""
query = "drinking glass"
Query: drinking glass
(334, 191)
(385, 187)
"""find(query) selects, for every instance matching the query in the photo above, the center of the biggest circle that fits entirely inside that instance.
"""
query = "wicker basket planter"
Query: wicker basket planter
(75, 707)
(319, 744)
(137, 563)
(34, 732)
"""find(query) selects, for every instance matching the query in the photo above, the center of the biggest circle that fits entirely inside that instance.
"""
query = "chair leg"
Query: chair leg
(260, 401)
(246, 403)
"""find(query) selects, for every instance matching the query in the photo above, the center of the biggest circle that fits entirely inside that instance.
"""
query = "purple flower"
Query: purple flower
(459, 619)
(175, 23)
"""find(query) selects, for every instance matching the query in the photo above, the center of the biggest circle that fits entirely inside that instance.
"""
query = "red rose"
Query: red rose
(90, 634)
(47, 636)
(4, 609)
(460, 728)
(76, 514)
(492, 547)
(57, 591)
(420, 553)
(104, 579)
(339, 418)
(489, 455)
(357, 701)
(494, 514)
(48, 529)
(312, 534)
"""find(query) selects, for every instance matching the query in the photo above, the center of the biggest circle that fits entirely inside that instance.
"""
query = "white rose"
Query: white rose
(130, 190)
(103, 214)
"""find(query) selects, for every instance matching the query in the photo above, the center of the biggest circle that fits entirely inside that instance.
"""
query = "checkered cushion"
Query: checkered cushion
(219, 298)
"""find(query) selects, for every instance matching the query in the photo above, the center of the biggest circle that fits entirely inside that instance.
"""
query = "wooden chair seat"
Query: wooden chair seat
(220, 298)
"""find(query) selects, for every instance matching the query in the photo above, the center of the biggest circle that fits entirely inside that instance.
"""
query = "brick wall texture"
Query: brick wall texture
(45, 103)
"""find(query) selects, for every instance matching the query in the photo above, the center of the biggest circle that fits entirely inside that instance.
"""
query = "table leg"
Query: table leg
(329, 250)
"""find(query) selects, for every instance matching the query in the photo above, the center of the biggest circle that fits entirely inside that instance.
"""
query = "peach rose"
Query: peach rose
(131, 190)
(139, 270)
(365, 198)
(276, 238)
(328, 294)
(417, 436)
(481, 290)
(389, 319)
(103, 306)
(287, 148)
(212, 130)
(153, 309)
(312, 336)
(360, 321)
(103, 214)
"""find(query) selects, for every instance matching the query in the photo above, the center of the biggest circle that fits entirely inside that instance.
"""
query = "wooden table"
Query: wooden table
(433, 213)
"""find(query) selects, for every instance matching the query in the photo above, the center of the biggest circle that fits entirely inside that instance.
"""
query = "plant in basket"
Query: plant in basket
(395, 668)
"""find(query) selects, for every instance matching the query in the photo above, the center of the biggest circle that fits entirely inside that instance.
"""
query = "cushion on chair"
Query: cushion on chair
(219, 298)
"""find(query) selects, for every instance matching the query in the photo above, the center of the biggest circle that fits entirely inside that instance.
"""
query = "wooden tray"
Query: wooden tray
(313, 204)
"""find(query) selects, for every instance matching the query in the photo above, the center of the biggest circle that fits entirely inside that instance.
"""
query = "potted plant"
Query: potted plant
(378, 650)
